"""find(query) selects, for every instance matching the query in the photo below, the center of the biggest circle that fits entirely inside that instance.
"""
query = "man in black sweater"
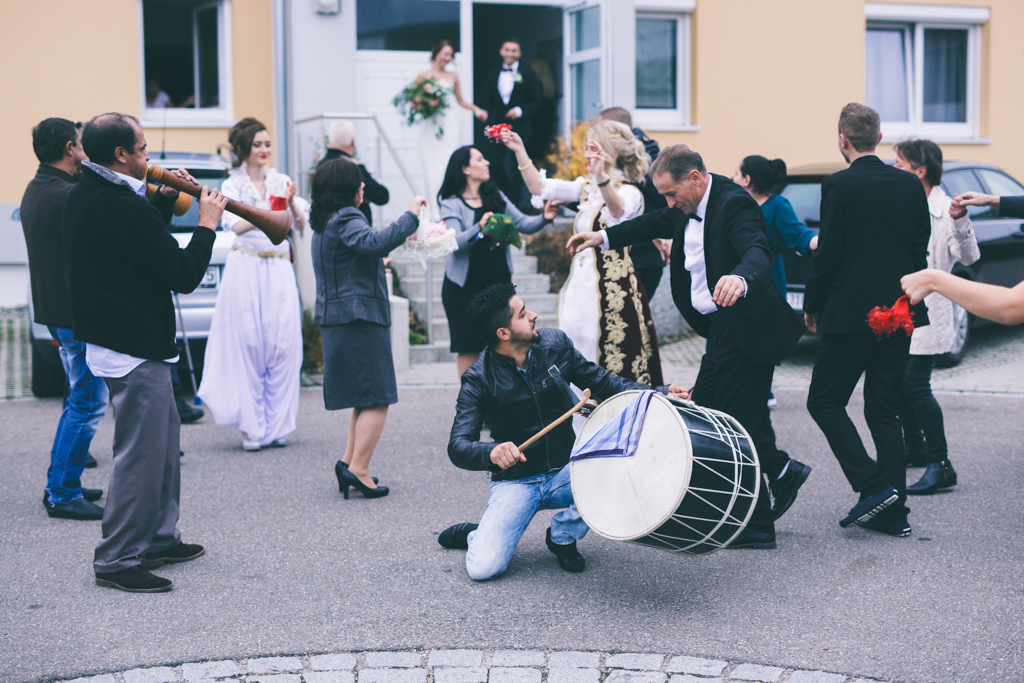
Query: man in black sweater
(122, 265)
(341, 142)
(58, 146)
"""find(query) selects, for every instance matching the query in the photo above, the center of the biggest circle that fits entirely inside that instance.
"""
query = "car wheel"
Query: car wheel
(48, 378)
(961, 335)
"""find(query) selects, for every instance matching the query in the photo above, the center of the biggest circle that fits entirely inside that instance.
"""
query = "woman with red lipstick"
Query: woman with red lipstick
(254, 353)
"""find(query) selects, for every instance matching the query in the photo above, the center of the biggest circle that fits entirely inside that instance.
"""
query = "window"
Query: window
(922, 70)
(415, 25)
(958, 182)
(584, 62)
(185, 75)
(661, 71)
(1000, 184)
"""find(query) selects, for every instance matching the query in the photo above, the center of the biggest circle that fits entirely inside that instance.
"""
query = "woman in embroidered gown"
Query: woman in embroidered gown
(254, 352)
(602, 305)
(440, 137)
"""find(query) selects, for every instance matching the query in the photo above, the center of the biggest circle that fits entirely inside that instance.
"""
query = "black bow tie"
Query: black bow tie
(506, 68)
(694, 217)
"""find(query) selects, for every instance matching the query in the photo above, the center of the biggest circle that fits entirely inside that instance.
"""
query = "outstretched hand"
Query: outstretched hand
(918, 285)
(583, 240)
(416, 204)
(728, 290)
(512, 140)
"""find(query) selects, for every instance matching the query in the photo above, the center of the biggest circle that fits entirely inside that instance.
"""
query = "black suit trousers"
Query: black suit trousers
(732, 383)
(839, 362)
(505, 172)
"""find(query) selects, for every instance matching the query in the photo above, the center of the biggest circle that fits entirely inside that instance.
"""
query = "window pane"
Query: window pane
(168, 52)
(656, 63)
(1000, 184)
(586, 29)
(885, 81)
(806, 201)
(945, 75)
(406, 24)
(959, 182)
(209, 69)
(586, 79)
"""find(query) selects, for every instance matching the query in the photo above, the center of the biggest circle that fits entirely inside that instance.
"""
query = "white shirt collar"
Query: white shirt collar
(937, 201)
(135, 185)
(702, 208)
(138, 186)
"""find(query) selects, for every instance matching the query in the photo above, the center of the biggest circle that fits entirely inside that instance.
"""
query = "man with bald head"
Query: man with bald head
(341, 142)
(122, 265)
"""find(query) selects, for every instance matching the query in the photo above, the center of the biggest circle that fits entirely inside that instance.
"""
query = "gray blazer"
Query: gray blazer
(350, 282)
(459, 216)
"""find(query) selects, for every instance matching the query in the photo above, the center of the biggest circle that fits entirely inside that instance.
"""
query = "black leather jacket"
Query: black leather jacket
(495, 392)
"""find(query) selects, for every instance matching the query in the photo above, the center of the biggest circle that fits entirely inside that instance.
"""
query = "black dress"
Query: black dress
(488, 265)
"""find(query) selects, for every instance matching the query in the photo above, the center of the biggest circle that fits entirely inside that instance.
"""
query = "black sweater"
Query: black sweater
(122, 265)
(373, 192)
(42, 207)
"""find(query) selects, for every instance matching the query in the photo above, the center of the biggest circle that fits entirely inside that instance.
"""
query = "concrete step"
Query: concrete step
(538, 303)
(431, 353)
(415, 288)
(440, 326)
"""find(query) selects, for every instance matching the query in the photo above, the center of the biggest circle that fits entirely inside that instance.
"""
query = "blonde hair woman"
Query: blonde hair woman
(602, 305)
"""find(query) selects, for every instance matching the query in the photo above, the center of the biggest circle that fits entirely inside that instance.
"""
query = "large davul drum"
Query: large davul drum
(689, 488)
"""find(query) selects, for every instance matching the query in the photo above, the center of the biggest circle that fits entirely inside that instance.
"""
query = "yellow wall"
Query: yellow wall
(771, 77)
(78, 59)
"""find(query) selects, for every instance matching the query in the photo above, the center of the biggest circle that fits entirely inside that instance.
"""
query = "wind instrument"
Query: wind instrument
(181, 205)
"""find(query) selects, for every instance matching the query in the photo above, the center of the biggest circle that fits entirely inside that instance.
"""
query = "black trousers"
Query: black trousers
(732, 383)
(505, 172)
(920, 412)
(839, 362)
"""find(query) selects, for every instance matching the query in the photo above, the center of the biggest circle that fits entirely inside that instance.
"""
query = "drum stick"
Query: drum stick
(533, 439)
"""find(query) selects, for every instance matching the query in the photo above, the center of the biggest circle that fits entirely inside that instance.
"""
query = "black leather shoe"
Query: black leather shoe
(134, 580)
(916, 453)
(568, 557)
(939, 475)
(869, 507)
(186, 413)
(90, 462)
(183, 552)
(79, 508)
(91, 495)
(346, 479)
(457, 537)
(785, 487)
(341, 465)
(753, 540)
(899, 530)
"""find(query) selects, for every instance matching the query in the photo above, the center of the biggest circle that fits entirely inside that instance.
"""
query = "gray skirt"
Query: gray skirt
(358, 369)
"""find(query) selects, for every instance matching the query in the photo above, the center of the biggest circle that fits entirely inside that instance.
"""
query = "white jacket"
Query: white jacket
(951, 241)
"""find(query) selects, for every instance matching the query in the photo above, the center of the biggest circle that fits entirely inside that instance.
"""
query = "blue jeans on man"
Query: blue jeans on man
(86, 404)
(510, 508)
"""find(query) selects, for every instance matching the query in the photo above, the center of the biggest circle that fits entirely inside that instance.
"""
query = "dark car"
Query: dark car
(1001, 240)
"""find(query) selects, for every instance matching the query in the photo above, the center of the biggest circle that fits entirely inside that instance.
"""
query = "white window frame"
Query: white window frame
(572, 57)
(677, 118)
(914, 20)
(212, 117)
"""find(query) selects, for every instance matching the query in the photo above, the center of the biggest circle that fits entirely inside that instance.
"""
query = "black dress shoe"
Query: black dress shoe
(79, 508)
(568, 557)
(753, 540)
(869, 507)
(134, 580)
(785, 487)
(939, 475)
(341, 465)
(91, 495)
(915, 453)
(897, 529)
(90, 462)
(186, 413)
(457, 537)
(183, 552)
(346, 479)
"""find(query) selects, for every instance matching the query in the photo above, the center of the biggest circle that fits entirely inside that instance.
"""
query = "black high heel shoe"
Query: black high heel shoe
(347, 479)
(344, 466)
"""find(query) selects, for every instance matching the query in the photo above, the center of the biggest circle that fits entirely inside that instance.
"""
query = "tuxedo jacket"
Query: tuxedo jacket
(526, 95)
(874, 230)
(761, 323)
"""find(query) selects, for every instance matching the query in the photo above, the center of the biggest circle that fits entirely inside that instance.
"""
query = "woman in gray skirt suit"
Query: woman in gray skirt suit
(354, 313)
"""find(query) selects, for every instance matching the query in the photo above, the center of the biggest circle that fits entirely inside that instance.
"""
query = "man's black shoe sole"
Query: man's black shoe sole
(127, 589)
(792, 499)
(159, 562)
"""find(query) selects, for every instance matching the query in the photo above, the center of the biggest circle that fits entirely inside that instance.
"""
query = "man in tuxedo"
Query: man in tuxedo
(721, 279)
(874, 230)
(513, 96)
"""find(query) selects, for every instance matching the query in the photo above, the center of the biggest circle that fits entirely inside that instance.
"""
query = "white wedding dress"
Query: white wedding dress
(435, 152)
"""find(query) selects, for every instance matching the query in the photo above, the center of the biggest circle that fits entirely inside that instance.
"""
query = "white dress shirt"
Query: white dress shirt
(507, 83)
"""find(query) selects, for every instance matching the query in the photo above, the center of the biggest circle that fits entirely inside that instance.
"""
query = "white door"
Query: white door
(585, 61)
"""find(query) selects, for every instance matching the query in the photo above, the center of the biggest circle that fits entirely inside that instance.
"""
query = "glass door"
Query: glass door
(584, 61)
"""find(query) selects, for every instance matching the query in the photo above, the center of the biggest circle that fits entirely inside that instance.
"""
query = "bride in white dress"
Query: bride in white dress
(440, 137)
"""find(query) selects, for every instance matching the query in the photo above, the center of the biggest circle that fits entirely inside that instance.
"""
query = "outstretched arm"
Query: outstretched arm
(477, 111)
(998, 304)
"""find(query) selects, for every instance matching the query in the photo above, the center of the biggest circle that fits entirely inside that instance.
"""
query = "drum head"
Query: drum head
(626, 498)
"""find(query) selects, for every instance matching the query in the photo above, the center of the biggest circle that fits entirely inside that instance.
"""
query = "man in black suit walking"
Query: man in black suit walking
(721, 280)
(513, 96)
(874, 230)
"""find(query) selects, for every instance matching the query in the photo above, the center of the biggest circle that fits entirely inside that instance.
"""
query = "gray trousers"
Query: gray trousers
(141, 514)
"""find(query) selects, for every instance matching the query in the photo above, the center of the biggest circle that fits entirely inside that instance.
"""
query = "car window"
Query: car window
(191, 218)
(1000, 184)
(806, 200)
(958, 182)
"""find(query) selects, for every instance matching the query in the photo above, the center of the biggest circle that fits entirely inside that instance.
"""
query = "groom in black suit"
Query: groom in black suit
(721, 278)
(513, 95)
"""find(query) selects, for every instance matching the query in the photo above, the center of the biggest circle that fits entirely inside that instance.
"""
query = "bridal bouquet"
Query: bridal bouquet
(422, 101)
(432, 240)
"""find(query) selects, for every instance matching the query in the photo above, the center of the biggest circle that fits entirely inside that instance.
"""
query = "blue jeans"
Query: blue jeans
(510, 508)
(82, 412)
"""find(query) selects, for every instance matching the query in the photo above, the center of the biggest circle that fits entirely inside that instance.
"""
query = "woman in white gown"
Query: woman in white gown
(254, 352)
(441, 136)
(602, 306)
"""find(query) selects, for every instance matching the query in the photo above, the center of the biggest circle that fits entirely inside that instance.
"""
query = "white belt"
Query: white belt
(256, 252)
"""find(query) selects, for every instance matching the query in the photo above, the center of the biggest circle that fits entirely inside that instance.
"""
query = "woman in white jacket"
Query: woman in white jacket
(952, 240)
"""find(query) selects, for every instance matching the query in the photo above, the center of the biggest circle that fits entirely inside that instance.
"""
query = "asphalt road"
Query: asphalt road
(291, 567)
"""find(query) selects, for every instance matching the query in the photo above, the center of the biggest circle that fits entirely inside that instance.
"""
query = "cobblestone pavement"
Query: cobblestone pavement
(472, 666)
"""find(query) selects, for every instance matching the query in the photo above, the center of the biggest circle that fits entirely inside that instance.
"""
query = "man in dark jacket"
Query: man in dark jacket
(511, 390)
(58, 146)
(122, 265)
(341, 142)
(875, 228)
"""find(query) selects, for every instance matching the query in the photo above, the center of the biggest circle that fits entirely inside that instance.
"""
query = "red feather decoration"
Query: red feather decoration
(494, 132)
(883, 320)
